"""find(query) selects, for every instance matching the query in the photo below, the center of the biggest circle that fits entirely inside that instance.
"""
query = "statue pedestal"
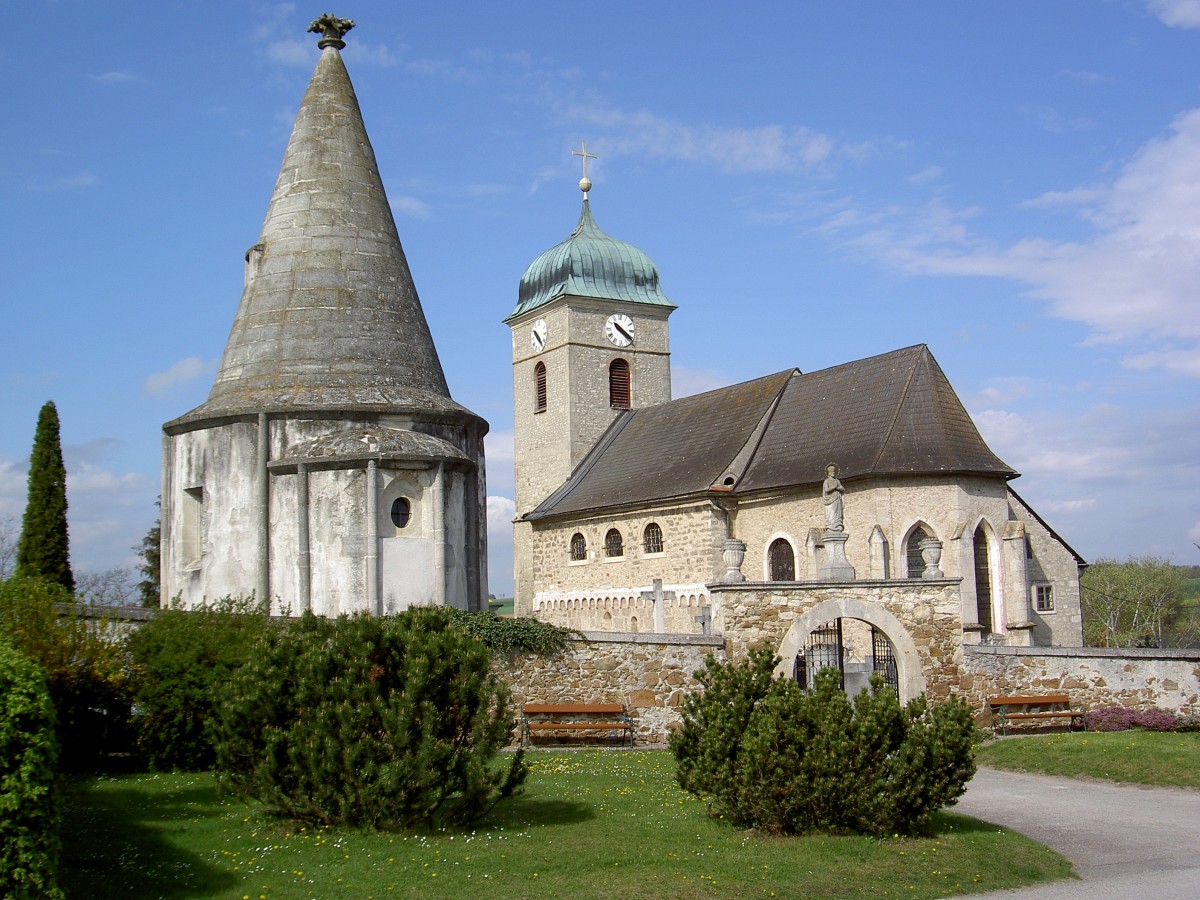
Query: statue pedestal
(835, 566)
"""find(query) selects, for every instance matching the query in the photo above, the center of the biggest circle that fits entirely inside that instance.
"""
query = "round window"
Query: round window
(401, 512)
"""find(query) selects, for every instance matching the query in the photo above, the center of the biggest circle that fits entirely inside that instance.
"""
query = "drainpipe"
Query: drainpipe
(303, 558)
(374, 601)
(262, 588)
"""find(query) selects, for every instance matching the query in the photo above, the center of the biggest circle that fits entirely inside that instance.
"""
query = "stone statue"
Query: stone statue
(831, 493)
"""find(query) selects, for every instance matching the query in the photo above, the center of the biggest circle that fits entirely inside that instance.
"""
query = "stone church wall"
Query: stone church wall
(1092, 676)
(691, 536)
(651, 674)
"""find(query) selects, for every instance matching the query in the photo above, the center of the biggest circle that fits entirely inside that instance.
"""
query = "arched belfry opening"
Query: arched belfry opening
(857, 639)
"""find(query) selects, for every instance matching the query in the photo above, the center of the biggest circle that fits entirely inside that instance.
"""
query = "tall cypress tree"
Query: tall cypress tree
(42, 551)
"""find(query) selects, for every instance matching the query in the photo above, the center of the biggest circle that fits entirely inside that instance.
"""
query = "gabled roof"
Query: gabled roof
(329, 318)
(893, 414)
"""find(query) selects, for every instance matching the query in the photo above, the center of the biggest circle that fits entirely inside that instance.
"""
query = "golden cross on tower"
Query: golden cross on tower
(585, 183)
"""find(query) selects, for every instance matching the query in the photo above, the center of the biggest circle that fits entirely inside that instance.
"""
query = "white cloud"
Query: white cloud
(113, 77)
(292, 52)
(185, 370)
(1132, 281)
(370, 54)
(1000, 392)
(498, 446)
(763, 148)
(410, 206)
(926, 175)
(79, 181)
(1177, 13)
(500, 513)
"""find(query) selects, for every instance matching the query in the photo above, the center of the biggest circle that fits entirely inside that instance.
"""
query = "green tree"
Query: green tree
(149, 587)
(1132, 603)
(42, 551)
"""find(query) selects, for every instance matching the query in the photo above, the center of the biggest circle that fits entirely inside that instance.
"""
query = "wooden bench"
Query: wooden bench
(1011, 710)
(575, 717)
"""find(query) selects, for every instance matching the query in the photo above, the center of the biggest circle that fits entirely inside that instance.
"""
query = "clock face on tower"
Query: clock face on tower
(619, 330)
(537, 335)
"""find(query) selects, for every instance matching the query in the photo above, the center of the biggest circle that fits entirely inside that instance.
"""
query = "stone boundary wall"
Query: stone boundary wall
(650, 673)
(1092, 676)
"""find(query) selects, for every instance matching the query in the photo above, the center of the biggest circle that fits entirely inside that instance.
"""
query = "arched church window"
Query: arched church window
(983, 581)
(578, 547)
(614, 545)
(401, 512)
(912, 552)
(652, 541)
(539, 388)
(782, 560)
(618, 384)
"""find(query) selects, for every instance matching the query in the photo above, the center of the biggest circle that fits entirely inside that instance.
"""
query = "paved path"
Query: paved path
(1125, 841)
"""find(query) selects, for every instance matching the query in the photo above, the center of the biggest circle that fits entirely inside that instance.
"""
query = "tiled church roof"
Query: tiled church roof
(893, 414)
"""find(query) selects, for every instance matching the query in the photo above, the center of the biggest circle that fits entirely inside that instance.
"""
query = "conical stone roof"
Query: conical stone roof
(329, 319)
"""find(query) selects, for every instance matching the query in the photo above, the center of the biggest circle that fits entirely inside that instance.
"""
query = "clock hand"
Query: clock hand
(624, 333)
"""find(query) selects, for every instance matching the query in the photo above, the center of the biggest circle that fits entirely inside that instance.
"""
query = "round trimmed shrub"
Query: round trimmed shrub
(367, 721)
(769, 755)
(29, 802)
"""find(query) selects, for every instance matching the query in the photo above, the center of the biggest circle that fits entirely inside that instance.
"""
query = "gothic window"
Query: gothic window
(613, 544)
(401, 512)
(912, 552)
(618, 384)
(578, 547)
(983, 580)
(539, 388)
(652, 541)
(782, 560)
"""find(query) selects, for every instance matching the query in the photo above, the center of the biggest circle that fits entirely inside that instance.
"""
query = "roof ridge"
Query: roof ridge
(749, 449)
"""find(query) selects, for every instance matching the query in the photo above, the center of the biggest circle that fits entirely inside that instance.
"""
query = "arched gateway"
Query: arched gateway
(910, 680)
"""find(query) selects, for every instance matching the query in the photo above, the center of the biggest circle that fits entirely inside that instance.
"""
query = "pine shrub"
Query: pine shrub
(769, 755)
(184, 660)
(43, 548)
(29, 801)
(379, 722)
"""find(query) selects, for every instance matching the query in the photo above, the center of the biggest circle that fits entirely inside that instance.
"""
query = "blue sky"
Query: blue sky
(1015, 184)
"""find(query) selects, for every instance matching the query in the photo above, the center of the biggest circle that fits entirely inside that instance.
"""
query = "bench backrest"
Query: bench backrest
(559, 709)
(1043, 700)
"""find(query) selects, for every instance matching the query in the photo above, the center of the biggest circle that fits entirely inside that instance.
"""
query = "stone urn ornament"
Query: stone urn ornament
(931, 555)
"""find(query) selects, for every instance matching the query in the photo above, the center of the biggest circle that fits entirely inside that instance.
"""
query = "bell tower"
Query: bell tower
(589, 340)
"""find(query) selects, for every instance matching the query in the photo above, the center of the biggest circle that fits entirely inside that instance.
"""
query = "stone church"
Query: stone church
(329, 466)
(831, 513)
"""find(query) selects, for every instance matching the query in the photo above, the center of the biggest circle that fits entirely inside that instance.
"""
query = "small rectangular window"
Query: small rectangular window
(1043, 597)
(191, 527)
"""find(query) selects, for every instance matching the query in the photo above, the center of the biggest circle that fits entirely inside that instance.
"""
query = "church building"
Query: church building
(329, 469)
(826, 496)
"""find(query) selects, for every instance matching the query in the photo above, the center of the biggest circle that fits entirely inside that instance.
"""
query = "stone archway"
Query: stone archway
(910, 676)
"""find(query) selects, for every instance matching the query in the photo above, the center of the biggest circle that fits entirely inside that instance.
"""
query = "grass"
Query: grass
(1140, 757)
(589, 824)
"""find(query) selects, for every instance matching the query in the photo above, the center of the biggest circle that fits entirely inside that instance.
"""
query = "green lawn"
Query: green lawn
(1141, 757)
(590, 824)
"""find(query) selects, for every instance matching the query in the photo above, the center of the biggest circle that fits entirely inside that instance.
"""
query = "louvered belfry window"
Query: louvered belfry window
(618, 384)
(539, 388)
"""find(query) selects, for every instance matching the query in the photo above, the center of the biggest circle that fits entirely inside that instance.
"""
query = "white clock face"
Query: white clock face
(538, 335)
(619, 329)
